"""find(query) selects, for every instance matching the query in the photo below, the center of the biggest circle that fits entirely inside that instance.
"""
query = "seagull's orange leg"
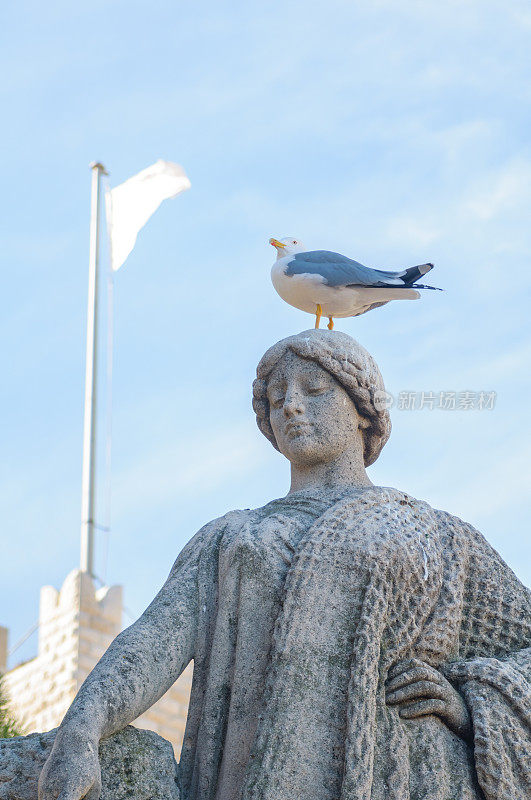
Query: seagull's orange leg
(318, 313)
(330, 325)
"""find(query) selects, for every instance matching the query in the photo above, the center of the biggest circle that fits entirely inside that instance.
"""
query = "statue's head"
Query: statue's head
(316, 394)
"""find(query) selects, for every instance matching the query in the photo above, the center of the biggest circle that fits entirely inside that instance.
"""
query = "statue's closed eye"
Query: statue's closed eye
(276, 401)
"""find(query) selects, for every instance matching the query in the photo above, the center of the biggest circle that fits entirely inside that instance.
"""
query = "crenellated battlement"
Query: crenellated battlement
(77, 623)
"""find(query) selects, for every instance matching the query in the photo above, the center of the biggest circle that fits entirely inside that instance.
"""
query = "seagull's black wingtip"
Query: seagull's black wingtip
(412, 274)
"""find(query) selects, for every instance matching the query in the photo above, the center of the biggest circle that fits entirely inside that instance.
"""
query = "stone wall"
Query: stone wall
(76, 625)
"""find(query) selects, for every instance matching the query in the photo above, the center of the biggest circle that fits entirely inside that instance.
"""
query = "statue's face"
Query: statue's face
(313, 418)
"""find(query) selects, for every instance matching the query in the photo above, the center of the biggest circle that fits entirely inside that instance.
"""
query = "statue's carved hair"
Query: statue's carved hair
(350, 364)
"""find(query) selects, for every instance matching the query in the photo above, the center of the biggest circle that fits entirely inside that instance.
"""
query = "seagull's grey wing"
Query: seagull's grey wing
(338, 270)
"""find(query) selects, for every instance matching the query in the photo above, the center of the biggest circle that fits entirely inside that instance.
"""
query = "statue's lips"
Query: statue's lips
(298, 428)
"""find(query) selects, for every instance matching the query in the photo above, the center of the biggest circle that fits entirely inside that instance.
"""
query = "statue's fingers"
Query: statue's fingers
(95, 792)
(422, 672)
(422, 709)
(48, 791)
(403, 666)
(74, 791)
(426, 689)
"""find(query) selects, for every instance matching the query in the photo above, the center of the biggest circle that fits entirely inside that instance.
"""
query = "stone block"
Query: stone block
(135, 765)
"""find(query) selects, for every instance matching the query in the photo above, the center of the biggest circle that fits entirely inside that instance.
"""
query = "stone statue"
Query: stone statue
(348, 640)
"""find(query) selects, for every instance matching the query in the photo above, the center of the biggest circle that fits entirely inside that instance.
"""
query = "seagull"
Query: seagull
(324, 283)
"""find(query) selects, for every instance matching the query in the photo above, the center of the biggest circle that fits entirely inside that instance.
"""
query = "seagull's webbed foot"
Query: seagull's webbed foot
(330, 325)
(318, 313)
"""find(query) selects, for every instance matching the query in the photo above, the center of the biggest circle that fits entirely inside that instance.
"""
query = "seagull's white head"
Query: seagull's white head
(287, 246)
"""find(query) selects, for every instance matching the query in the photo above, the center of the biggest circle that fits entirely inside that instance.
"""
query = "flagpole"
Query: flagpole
(89, 426)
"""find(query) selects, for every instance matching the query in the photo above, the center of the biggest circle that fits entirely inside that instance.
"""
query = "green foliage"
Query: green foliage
(8, 726)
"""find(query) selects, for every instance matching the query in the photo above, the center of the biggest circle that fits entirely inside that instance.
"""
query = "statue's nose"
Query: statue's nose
(293, 404)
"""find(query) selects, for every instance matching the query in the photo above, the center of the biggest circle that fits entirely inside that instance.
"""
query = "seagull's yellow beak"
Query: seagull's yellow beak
(276, 243)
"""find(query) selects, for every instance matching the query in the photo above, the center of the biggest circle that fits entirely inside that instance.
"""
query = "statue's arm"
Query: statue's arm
(139, 667)
(142, 662)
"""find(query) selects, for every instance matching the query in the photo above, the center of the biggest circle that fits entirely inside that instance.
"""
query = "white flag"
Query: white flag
(131, 204)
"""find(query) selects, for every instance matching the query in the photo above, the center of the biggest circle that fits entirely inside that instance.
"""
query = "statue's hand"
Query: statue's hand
(72, 770)
(418, 690)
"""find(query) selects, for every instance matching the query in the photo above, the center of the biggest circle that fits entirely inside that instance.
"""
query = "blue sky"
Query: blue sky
(395, 133)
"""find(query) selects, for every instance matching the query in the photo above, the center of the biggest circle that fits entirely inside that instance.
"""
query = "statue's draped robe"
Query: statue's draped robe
(302, 607)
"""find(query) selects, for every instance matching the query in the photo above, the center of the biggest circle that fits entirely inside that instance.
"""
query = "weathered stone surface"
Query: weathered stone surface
(135, 765)
(349, 641)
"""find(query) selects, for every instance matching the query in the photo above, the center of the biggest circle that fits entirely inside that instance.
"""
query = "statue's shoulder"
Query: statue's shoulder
(378, 500)
(463, 534)
(459, 541)
(485, 566)
(450, 527)
(400, 509)
(213, 529)
(207, 538)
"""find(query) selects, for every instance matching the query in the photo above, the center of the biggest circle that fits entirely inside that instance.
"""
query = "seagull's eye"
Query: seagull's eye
(294, 241)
